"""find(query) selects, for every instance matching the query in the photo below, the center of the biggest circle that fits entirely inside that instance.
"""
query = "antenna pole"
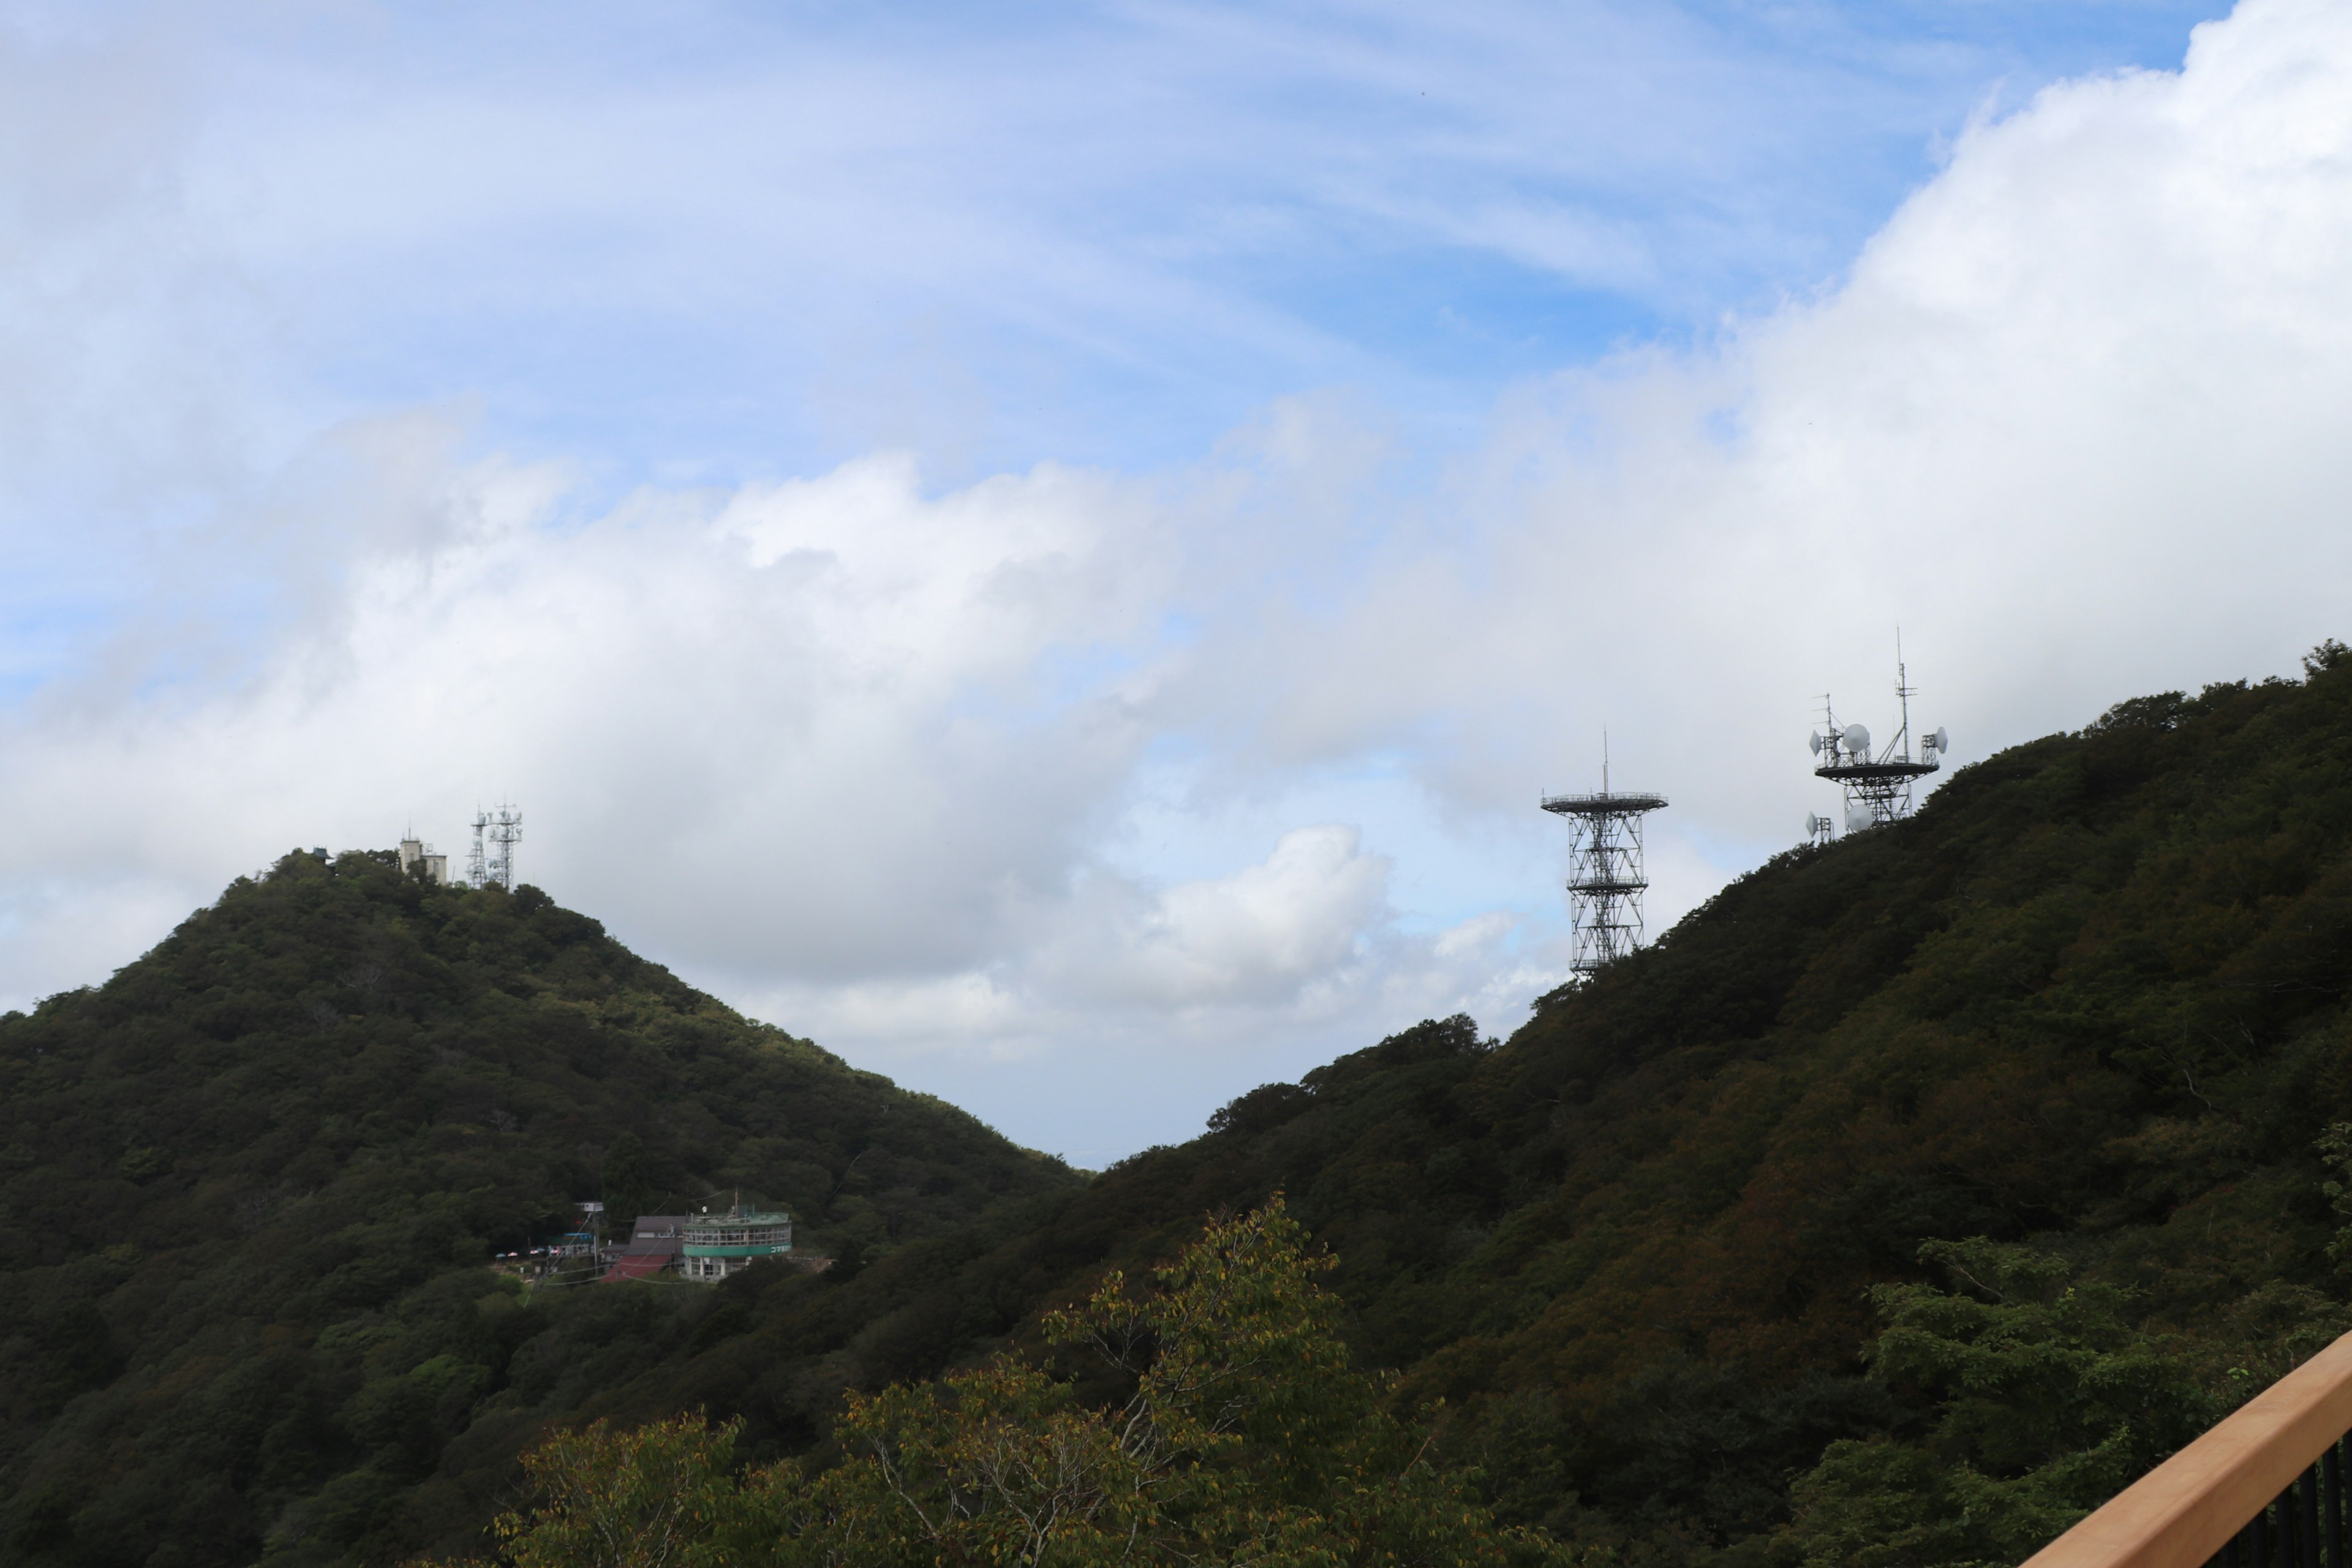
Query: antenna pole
(1903, 694)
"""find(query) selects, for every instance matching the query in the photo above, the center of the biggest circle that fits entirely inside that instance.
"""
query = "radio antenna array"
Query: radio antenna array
(492, 857)
(1877, 785)
(1605, 880)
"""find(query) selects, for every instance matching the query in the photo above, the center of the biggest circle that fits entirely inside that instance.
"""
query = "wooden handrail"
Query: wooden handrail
(2186, 1509)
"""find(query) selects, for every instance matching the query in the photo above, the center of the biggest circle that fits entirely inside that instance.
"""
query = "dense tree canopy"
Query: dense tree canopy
(1246, 1438)
(256, 1177)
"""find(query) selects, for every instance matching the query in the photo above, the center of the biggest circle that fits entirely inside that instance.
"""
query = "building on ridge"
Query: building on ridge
(655, 1243)
(714, 1245)
(415, 853)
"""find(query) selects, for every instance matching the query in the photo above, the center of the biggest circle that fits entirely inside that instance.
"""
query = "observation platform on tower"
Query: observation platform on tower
(1863, 770)
(1604, 804)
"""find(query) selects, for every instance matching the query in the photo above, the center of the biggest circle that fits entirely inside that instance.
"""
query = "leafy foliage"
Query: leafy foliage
(2047, 1404)
(662, 1496)
(1247, 1439)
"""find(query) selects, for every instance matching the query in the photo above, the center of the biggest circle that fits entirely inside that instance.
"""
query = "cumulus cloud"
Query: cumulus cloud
(845, 747)
(794, 692)
(2074, 423)
(1262, 934)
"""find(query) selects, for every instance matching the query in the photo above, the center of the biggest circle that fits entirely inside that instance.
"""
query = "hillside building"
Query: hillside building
(655, 1242)
(415, 852)
(713, 1245)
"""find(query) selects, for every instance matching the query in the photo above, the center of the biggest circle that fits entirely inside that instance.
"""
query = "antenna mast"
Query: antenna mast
(505, 831)
(1904, 693)
(1605, 880)
(492, 857)
(1877, 785)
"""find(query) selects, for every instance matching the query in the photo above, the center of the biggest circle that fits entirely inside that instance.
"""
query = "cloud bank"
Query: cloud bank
(1093, 795)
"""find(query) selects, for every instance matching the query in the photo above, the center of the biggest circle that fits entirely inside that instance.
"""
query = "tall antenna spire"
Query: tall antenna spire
(1903, 694)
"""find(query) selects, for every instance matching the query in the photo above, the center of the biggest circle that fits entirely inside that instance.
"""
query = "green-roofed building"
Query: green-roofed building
(717, 1242)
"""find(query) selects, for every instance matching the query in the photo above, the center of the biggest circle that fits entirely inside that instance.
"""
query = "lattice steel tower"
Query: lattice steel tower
(1877, 785)
(494, 862)
(1605, 882)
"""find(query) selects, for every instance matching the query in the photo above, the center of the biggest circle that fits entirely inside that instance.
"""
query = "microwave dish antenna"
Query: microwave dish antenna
(1877, 787)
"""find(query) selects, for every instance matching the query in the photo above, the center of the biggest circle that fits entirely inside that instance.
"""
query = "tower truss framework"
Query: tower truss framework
(1876, 785)
(1605, 880)
(495, 837)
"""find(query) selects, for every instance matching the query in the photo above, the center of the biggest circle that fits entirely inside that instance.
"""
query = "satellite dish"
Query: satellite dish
(1816, 743)
(1943, 739)
(1857, 818)
(1857, 740)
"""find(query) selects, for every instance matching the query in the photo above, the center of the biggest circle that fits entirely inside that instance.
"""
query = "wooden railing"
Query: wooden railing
(2266, 1488)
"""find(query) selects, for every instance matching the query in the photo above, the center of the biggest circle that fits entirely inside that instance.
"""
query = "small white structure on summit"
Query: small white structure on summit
(415, 852)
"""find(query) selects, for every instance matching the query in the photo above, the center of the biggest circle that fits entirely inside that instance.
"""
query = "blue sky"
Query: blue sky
(728, 241)
(1052, 548)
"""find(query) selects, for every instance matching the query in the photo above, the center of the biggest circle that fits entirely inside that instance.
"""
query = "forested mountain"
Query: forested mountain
(253, 1181)
(2088, 1007)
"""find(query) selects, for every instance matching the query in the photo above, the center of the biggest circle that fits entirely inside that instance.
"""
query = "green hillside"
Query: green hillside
(2088, 1005)
(2090, 998)
(252, 1182)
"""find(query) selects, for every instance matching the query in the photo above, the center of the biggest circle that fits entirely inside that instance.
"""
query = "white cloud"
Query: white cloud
(1259, 936)
(2076, 422)
(1091, 798)
(776, 725)
(848, 750)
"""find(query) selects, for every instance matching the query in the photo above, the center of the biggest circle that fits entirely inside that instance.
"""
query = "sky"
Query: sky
(1055, 549)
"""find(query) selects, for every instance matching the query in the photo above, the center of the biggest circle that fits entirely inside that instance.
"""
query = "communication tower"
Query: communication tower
(1605, 870)
(492, 857)
(1877, 785)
